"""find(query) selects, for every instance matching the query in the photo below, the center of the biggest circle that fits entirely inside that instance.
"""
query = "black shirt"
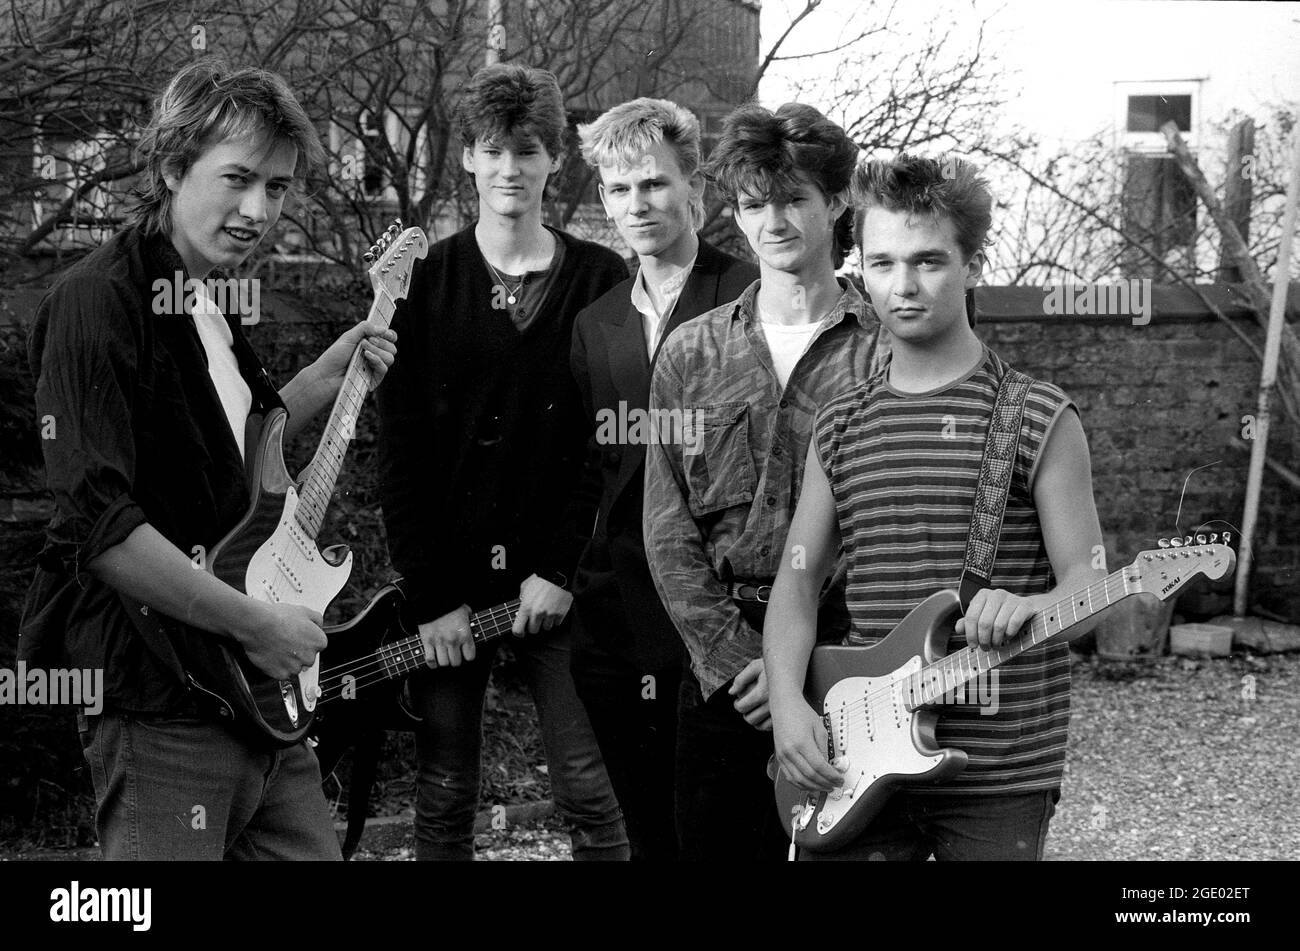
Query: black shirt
(482, 431)
(138, 435)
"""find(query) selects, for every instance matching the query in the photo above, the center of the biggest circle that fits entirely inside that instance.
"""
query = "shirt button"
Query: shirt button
(764, 550)
(771, 500)
(776, 452)
(784, 403)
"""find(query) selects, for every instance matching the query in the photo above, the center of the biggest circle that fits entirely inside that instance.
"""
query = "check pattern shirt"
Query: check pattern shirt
(719, 499)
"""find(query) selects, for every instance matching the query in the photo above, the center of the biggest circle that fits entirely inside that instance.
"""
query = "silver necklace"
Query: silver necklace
(511, 296)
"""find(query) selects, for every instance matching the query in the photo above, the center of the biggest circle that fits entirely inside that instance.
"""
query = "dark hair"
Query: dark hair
(761, 152)
(506, 100)
(204, 103)
(945, 186)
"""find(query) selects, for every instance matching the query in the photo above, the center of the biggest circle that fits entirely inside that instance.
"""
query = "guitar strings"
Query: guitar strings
(879, 699)
(389, 668)
(387, 662)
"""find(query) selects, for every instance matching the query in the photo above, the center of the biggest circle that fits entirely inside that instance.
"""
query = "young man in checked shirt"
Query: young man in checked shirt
(748, 378)
(892, 475)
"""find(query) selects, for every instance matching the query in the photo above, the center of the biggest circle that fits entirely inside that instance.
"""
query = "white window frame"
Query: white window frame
(1149, 142)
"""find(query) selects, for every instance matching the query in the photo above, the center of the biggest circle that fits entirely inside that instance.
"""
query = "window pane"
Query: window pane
(1149, 113)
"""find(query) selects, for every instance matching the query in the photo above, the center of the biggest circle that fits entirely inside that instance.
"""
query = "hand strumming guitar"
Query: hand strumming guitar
(285, 639)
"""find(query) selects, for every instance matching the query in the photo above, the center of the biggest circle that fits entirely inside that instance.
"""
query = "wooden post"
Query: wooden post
(1238, 182)
(1267, 380)
(1254, 284)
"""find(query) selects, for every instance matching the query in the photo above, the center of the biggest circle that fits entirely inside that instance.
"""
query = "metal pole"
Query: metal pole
(1267, 380)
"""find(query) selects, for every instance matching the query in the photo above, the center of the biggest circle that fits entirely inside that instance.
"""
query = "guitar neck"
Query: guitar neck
(323, 472)
(932, 682)
(407, 655)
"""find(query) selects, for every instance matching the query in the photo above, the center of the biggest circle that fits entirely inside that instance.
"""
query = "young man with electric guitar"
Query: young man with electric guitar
(745, 380)
(145, 459)
(482, 443)
(892, 476)
(627, 655)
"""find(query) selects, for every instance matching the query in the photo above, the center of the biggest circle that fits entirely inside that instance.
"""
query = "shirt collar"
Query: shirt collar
(850, 303)
(670, 289)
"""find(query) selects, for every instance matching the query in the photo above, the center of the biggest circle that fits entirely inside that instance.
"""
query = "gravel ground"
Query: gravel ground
(1176, 759)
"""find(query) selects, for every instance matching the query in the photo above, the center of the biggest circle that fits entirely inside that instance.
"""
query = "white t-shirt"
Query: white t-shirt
(218, 342)
(787, 344)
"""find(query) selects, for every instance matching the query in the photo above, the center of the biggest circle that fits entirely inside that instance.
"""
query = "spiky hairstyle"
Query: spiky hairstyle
(761, 153)
(945, 186)
(627, 132)
(507, 102)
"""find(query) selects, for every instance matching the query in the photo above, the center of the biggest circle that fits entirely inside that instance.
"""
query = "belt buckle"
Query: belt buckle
(758, 593)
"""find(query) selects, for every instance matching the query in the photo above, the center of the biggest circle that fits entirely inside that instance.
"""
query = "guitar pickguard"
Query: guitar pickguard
(288, 568)
(873, 730)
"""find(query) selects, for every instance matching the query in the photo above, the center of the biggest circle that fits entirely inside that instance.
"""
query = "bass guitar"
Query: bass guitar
(272, 553)
(380, 646)
(878, 702)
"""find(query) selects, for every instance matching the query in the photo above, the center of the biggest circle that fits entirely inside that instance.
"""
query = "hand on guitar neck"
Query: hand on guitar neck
(448, 640)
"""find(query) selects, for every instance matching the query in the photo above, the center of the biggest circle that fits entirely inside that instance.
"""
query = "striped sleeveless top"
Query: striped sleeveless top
(903, 468)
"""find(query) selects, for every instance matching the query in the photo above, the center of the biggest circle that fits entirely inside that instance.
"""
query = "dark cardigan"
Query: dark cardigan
(482, 430)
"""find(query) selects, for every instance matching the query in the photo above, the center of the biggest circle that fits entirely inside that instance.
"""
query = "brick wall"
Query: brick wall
(1156, 402)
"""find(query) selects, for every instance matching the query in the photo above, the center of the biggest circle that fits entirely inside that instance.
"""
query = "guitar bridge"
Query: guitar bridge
(830, 738)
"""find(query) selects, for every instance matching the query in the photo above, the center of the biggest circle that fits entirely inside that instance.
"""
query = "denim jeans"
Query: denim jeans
(726, 804)
(953, 829)
(450, 740)
(185, 787)
(635, 720)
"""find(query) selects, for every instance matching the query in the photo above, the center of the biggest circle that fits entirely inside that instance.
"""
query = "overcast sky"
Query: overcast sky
(1051, 51)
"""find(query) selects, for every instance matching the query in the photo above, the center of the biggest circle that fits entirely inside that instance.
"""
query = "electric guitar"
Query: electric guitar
(877, 702)
(380, 645)
(272, 555)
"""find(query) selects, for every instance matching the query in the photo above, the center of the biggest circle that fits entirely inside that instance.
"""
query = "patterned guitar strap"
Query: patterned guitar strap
(996, 469)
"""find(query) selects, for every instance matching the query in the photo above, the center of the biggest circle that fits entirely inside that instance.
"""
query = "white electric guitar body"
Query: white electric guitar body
(272, 555)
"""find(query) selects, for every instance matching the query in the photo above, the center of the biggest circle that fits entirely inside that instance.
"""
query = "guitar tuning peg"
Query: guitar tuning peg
(369, 257)
(1175, 543)
(1214, 537)
(1227, 537)
(1200, 539)
(1162, 542)
(1187, 539)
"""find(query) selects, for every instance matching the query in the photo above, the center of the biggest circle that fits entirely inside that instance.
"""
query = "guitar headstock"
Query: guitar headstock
(1163, 571)
(393, 257)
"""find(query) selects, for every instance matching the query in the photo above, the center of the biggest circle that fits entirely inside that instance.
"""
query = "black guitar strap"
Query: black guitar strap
(996, 469)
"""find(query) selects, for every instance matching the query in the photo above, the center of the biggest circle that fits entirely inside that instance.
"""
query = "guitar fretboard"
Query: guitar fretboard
(407, 655)
(318, 487)
(932, 682)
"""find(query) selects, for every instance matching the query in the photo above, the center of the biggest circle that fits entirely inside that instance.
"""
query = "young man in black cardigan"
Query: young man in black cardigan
(627, 654)
(482, 445)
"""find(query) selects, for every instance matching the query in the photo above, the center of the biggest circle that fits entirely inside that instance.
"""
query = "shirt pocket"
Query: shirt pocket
(721, 474)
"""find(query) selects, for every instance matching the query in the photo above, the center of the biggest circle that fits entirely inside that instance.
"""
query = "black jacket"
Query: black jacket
(482, 433)
(138, 435)
(617, 609)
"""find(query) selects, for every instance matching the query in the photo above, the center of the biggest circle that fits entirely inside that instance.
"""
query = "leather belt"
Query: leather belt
(749, 591)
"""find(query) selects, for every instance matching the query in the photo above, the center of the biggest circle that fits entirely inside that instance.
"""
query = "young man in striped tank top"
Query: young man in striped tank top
(891, 476)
